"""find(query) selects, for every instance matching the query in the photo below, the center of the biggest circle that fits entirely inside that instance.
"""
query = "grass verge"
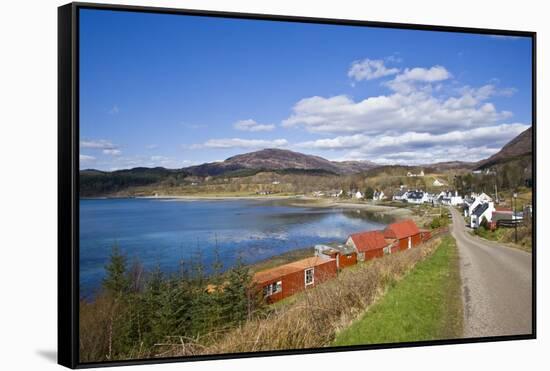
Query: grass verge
(507, 236)
(425, 305)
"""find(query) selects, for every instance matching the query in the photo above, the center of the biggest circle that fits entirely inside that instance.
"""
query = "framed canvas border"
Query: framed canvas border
(68, 180)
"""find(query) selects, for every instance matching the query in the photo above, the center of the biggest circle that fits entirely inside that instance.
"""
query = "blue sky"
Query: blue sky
(172, 91)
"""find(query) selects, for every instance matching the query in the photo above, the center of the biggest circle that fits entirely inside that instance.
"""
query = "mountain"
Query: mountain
(95, 183)
(520, 146)
(279, 159)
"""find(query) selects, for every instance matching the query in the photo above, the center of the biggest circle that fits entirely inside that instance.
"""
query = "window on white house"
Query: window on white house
(273, 288)
(308, 276)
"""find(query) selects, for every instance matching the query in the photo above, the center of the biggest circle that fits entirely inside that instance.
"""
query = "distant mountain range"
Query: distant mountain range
(96, 182)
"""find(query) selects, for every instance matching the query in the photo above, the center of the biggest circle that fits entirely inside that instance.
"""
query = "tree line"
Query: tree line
(137, 311)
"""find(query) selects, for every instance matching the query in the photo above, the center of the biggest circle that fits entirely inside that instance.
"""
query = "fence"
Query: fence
(509, 223)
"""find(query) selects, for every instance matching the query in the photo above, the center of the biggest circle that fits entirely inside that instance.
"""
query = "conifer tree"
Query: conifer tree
(116, 282)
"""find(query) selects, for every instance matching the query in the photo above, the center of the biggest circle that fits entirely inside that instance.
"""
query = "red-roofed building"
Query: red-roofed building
(406, 233)
(286, 280)
(369, 245)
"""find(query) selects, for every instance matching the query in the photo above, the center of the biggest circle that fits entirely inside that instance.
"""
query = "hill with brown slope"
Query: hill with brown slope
(520, 146)
(279, 159)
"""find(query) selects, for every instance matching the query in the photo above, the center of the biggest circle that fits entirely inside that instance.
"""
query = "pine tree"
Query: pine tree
(236, 298)
(116, 282)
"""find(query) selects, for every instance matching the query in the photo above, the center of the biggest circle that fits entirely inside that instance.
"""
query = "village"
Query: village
(478, 210)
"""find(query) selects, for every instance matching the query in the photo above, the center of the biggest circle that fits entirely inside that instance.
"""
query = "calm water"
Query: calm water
(162, 232)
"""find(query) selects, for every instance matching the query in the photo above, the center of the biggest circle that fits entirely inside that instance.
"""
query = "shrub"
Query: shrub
(484, 223)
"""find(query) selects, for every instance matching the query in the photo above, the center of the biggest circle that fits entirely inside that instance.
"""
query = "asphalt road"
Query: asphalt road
(496, 284)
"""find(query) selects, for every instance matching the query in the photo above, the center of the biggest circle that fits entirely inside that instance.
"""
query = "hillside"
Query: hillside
(99, 183)
(520, 146)
(450, 165)
(279, 159)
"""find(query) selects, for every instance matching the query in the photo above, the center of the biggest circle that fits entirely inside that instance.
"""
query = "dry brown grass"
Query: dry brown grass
(314, 318)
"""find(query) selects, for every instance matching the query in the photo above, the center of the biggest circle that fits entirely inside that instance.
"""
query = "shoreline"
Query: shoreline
(300, 201)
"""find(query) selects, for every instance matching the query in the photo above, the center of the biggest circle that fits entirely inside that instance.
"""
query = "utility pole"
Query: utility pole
(515, 195)
(496, 187)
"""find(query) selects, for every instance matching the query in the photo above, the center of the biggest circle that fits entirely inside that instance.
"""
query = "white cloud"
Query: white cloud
(420, 102)
(87, 158)
(251, 125)
(106, 146)
(407, 81)
(436, 154)
(435, 73)
(417, 111)
(241, 143)
(496, 135)
(394, 59)
(370, 69)
(413, 147)
(97, 144)
(151, 146)
(112, 152)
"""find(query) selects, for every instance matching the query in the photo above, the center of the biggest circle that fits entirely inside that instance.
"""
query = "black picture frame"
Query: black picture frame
(68, 180)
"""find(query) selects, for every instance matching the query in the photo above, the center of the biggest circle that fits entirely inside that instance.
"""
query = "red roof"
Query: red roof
(283, 270)
(401, 230)
(372, 240)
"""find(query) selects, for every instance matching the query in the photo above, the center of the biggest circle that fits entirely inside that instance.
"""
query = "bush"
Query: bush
(439, 221)
(484, 224)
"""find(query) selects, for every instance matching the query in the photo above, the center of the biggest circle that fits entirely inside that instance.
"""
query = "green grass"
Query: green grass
(507, 236)
(496, 235)
(425, 305)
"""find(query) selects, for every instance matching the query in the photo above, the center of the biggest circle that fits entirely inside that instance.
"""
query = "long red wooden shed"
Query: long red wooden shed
(288, 279)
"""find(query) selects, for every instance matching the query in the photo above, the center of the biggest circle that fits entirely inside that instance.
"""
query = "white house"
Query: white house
(378, 196)
(438, 183)
(400, 195)
(410, 174)
(482, 211)
(358, 195)
(417, 197)
(450, 198)
(474, 201)
(336, 193)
